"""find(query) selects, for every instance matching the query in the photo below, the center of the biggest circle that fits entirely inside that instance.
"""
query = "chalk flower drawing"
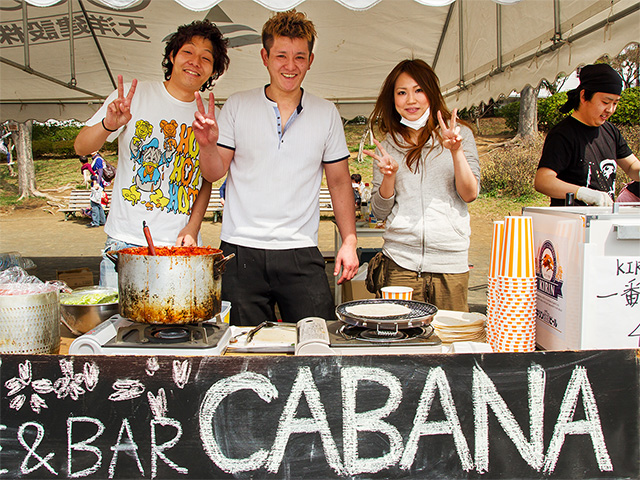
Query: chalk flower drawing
(126, 389)
(70, 384)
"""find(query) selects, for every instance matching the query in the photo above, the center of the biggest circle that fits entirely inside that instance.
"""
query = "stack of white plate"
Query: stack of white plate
(454, 326)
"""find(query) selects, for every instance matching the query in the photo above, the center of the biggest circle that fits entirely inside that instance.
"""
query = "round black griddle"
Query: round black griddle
(420, 314)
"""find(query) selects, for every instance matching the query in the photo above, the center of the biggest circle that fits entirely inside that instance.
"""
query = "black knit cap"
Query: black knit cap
(600, 78)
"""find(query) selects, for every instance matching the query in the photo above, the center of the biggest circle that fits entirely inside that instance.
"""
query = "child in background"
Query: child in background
(97, 212)
(358, 188)
(86, 170)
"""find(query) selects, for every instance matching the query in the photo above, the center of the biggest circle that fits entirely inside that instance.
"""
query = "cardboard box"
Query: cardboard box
(355, 290)
(78, 277)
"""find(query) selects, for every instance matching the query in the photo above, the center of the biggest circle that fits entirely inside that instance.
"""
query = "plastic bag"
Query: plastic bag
(15, 259)
(16, 281)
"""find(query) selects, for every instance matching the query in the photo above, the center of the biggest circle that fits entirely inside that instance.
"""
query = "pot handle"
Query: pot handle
(113, 258)
(219, 264)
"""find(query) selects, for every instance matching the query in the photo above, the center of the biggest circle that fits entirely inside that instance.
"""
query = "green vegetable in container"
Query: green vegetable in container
(90, 299)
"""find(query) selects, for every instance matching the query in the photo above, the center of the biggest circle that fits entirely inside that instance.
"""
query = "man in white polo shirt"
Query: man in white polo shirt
(275, 142)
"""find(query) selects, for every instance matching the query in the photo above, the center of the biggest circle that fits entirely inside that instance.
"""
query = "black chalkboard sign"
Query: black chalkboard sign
(534, 415)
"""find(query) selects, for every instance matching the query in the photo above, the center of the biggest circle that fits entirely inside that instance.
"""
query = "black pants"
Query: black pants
(255, 280)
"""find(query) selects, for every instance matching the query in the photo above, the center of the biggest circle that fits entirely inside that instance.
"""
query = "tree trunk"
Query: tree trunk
(24, 159)
(528, 118)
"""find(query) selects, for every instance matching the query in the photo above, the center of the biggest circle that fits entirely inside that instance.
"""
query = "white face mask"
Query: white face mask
(416, 124)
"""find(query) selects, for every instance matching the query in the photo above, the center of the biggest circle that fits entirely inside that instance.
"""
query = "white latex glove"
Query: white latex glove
(594, 197)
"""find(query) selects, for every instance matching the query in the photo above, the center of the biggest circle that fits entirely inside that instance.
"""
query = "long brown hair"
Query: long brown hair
(388, 118)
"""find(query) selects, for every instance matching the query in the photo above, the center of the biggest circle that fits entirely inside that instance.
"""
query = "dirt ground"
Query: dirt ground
(55, 245)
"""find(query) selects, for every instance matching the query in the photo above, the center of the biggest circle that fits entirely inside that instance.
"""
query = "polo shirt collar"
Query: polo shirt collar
(298, 108)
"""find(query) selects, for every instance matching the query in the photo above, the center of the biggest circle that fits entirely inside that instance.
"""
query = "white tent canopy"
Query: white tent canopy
(480, 49)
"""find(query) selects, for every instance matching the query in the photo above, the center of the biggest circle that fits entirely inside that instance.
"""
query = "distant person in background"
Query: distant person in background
(86, 170)
(6, 145)
(223, 191)
(358, 188)
(98, 217)
(427, 171)
(4, 148)
(356, 182)
(98, 167)
(581, 153)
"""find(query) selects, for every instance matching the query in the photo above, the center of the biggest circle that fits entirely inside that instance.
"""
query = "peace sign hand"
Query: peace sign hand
(451, 138)
(119, 111)
(205, 127)
(386, 163)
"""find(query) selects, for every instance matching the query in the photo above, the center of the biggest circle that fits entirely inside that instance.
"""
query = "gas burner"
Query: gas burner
(352, 332)
(119, 335)
(190, 335)
(170, 334)
(195, 335)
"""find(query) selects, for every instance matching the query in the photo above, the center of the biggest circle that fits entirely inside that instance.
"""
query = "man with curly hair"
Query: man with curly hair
(275, 142)
(158, 177)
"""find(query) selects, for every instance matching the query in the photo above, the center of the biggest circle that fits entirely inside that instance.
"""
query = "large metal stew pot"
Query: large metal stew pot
(177, 285)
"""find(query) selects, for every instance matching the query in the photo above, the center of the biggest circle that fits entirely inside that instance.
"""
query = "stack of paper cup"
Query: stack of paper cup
(511, 295)
(494, 266)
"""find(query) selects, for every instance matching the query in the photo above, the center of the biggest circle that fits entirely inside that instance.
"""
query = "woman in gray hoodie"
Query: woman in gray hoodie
(426, 171)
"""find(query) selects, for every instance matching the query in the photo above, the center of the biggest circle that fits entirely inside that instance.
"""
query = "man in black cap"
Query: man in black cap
(581, 153)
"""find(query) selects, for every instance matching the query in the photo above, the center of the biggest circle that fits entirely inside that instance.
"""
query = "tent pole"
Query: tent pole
(442, 35)
(461, 41)
(557, 24)
(498, 37)
(72, 52)
(25, 31)
(95, 40)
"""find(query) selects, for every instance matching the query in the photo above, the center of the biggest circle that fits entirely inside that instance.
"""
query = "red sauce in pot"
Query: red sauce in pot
(172, 251)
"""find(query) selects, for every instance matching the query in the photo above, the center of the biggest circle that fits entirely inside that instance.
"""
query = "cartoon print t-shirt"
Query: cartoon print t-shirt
(584, 155)
(158, 176)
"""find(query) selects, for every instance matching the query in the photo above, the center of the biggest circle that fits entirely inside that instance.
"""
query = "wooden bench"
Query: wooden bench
(215, 204)
(79, 200)
(326, 207)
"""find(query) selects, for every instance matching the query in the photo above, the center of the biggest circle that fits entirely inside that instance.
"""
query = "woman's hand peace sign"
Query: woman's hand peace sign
(386, 163)
(119, 111)
(451, 138)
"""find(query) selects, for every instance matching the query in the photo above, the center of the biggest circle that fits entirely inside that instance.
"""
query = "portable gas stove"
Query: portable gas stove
(370, 335)
(119, 335)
